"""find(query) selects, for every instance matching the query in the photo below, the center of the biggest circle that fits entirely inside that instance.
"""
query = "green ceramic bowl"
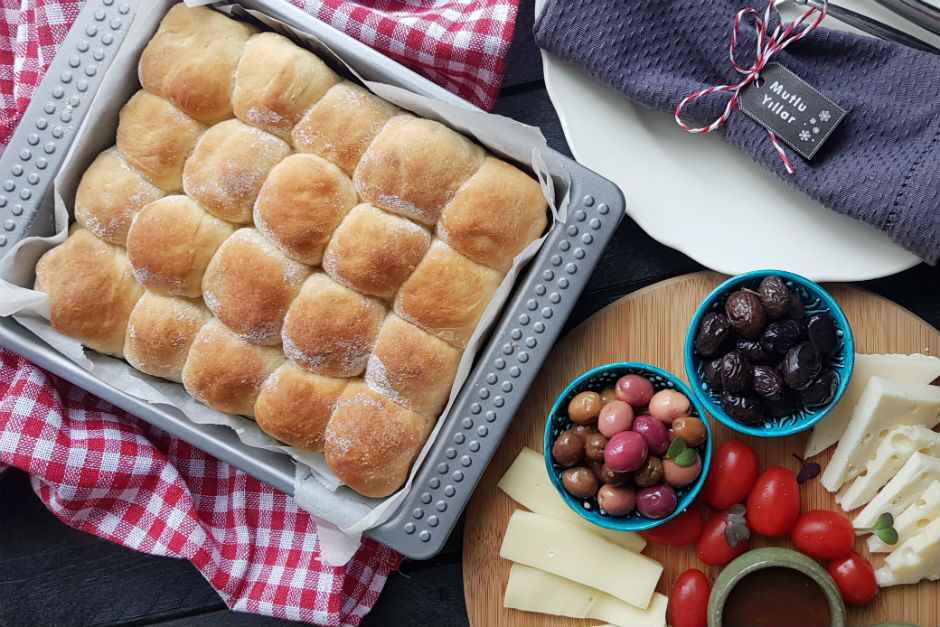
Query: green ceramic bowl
(770, 557)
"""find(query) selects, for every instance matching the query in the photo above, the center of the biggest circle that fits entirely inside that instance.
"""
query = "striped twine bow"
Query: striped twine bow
(767, 47)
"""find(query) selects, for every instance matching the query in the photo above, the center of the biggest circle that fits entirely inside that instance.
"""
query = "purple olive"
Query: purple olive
(656, 502)
(822, 332)
(626, 451)
(654, 432)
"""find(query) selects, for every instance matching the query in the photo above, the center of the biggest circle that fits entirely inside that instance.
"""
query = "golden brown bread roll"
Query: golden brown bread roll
(159, 333)
(91, 290)
(109, 195)
(155, 137)
(228, 167)
(495, 215)
(412, 367)
(447, 294)
(225, 371)
(374, 252)
(414, 167)
(294, 406)
(330, 329)
(170, 244)
(276, 82)
(371, 442)
(191, 61)
(301, 202)
(342, 124)
(250, 283)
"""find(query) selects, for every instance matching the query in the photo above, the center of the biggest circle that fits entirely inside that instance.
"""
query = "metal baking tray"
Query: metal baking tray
(505, 367)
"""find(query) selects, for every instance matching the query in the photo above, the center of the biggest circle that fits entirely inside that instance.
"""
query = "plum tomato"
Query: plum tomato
(681, 530)
(855, 578)
(823, 535)
(712, 546)
(688, 604)
(773, 504)
(731, 475)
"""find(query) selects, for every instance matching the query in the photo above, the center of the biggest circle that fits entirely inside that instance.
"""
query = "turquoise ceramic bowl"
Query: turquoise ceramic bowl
(815, 299)
(597, 380)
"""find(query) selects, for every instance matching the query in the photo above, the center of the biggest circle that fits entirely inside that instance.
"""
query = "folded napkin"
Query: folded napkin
(879, 166)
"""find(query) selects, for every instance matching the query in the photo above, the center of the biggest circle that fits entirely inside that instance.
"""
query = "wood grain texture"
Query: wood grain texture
(650, 326)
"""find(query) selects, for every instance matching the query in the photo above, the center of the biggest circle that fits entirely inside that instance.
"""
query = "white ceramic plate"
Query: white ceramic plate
(710, 201)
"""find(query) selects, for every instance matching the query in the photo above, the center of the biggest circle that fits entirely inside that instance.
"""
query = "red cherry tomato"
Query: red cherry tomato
(774, 502)
(731, 474)
(712, 547)
(824, 535)
(855, 578)
(688, 605)
(681, 530)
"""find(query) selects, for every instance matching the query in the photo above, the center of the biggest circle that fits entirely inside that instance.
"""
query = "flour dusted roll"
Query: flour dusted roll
(159, 333)
(374, 252)
(170, 244)
(276, 82)
(447, 294)
(191, 61)
(294, 406)
(250, 283)
(109, 196)
(91, 290)
(155, 138)
(301, 202)
(371, 442)
(342, 124)
(414, 167)
(228, 167)
(495, 215)
(225, 371)
(330, 329)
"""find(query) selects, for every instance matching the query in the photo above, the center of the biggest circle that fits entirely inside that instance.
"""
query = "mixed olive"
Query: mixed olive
(765, 356)
(630, 447)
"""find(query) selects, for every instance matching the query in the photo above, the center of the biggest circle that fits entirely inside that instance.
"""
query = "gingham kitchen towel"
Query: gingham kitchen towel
(459, 44)
(103, 471)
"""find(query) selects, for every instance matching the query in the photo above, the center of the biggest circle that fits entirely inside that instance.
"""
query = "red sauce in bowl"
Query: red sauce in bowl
(776, 597)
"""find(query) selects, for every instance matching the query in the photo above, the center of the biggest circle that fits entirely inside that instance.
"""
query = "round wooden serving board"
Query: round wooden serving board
(650, 326)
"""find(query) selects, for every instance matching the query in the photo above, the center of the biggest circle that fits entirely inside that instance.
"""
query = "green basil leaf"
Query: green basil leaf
(884, 521)
(676, 448)
(685, 458)
(888, 535)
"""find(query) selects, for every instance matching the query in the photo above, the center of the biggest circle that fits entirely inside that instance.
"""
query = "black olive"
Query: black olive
(780, 336)
(797, 310)
(767, 382)
(712, 334)
(774, 296)
(754, 352)
(784, 405)
(735, 372)
(745, 408)
(801, 365)
(821, 329)
(745, 313)
(821, 390)
(713, 373)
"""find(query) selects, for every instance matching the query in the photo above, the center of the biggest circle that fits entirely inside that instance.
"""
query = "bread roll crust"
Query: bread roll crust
(159, 333)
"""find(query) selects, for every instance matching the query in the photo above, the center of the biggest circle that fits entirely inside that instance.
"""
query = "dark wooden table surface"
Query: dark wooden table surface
(51, 574)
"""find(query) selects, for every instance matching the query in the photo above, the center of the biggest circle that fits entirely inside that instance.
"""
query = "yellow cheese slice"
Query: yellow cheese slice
(916, 559)
(912, 520)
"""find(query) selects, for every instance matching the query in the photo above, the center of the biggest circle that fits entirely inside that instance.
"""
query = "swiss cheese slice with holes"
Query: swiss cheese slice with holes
(916, 559)
(904, 488)
(912, 520)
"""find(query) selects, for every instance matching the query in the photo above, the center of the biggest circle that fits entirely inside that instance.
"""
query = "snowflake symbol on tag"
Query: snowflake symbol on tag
(815, 130)
(804, 135)
(813, 120)
(824, 115)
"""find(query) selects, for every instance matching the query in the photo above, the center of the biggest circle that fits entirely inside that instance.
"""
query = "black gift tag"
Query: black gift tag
(789, 107)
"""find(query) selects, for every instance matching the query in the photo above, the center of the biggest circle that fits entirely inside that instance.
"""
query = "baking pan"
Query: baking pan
(504, 369)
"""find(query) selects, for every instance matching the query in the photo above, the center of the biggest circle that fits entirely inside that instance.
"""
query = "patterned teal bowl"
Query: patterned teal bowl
(815, 299)
(558, 422)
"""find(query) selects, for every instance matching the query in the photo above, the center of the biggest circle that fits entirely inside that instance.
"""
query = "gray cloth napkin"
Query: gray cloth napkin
(882, 163)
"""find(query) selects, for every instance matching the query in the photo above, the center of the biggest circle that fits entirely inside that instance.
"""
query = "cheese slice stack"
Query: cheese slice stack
(912, 520)
(916, 559)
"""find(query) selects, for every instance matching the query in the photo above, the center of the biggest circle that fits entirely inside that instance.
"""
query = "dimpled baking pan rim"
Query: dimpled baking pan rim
(505, 367)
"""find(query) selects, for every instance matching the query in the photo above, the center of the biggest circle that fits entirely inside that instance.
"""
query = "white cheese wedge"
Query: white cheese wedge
(527, 483)
(883, 405)
(904, 488)
(893, 451)
(912, 520)
(570, 551)
(534, 590)
(916, 559)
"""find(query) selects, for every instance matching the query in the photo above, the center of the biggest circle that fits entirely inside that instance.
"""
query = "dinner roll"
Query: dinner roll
(447, 294)
(225, 371)
(249, 284)
(342, 124)
(374, 252)
(160, 332)
(330, 329)
(301, 202)
(91, 290)
(413, 167)
(294, 406)
(191, 61)
(228, 167)
(155, 137)
(412, 367)
(276, 82)
(495, 215)
(170, 244)
(109, 195)
(371, 442)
